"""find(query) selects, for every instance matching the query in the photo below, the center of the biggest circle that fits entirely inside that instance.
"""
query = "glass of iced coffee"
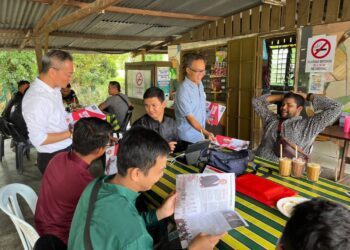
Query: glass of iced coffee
(298, 166)
(285, 166)
(313, 171)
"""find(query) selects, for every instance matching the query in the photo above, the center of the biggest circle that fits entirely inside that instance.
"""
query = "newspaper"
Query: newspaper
(89, 111)
(205, 203)
(231, 143)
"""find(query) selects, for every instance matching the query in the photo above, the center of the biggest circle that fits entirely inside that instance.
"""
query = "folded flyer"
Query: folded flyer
(89, 111)
(214, 112)
(205, 203)
(231, 143)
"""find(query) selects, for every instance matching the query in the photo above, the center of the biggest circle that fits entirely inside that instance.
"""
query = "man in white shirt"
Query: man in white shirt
(43, 109)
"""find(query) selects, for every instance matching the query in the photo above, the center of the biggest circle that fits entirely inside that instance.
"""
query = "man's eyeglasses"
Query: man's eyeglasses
(198, 71)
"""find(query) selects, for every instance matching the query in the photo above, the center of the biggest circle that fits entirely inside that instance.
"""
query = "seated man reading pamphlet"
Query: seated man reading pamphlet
(115, 223)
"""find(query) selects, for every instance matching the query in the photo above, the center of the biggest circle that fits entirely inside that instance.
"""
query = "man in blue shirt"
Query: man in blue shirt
(190, 110)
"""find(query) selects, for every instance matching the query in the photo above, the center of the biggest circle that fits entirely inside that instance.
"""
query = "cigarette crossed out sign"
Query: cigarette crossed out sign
(320, 48)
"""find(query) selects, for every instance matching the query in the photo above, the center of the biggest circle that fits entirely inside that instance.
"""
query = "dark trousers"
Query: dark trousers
(44, 158)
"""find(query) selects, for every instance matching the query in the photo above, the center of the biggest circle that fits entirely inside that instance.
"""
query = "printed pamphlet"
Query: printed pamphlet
(205, 203)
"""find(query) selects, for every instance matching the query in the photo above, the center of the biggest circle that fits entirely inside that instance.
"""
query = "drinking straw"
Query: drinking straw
(296, 151)
(281, 149)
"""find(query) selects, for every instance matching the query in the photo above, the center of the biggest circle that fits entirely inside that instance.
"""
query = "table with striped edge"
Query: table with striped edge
(265, 223)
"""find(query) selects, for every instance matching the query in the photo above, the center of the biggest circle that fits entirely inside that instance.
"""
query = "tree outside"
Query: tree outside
(90, 80)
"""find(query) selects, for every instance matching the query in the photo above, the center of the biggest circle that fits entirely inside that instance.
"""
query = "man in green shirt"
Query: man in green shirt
(115, 222)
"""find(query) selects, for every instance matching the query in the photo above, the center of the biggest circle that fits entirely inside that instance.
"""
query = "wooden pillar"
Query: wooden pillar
(38, 52)
(46, 43)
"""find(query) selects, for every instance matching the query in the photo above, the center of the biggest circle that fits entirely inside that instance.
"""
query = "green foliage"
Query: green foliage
(15, 66)
(90, 80)
(93, 73)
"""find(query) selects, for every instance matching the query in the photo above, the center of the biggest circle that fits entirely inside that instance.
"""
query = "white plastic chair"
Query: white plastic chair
(9, 204)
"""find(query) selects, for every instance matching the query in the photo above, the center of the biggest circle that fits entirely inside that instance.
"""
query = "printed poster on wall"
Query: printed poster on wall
(316, 83)
(163, 80)
(320, 54)
(138, 82)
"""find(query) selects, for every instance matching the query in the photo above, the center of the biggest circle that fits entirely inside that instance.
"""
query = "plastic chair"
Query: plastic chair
(9, 205)
(4, 134)
(22, 146)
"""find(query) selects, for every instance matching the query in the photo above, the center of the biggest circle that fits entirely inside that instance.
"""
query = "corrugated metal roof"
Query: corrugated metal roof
(19, 16)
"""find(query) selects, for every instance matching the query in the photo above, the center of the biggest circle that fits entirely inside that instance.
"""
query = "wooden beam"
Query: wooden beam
(108, 37)
(149, 48)
(143, 12)
(20, 34)
(25, 40)
(50, 12)
(89, 9)
(13, 32)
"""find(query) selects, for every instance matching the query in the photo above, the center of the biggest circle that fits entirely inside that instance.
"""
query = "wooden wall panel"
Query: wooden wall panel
(346, 11)
(242, 68)
(198, 34)
(246, 22)
(303, 12)
(291, 7)
(212, 31)
(283, 17)
(317, 11)
(255, 21)
(206, 29)
(228, 26)
(187, 37)
(275, 18)
(237, 24)
(221, 28)
(265, 18)
(332, 11)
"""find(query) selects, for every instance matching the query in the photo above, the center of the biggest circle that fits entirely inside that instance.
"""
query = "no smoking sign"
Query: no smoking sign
(321, 48)
(320, 54)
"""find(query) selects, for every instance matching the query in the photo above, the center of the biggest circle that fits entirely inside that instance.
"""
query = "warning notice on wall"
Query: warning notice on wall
(320, 54)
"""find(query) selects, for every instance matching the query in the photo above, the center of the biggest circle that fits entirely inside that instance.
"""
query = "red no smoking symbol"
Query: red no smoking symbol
(321, 48)
(139, 79)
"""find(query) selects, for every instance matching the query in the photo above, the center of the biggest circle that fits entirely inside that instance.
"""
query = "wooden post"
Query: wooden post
(38, 52)
(46, 43)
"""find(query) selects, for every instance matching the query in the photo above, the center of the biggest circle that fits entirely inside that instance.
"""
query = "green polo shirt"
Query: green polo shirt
(115, 222)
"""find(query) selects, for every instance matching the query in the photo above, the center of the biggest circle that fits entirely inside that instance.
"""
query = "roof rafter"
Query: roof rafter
(89, 9)
(21, 34)
(143, 12)
(50, 12)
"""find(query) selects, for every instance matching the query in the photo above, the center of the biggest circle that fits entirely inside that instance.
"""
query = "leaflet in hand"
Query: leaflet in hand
(205, 203)
(214, 112)
(89, 111)
(111, 160)
(231, 143)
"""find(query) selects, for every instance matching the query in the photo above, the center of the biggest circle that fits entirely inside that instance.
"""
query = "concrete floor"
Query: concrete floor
(31, 176)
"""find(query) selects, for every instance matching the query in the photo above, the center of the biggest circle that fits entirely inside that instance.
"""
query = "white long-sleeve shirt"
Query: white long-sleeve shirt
(44, 113)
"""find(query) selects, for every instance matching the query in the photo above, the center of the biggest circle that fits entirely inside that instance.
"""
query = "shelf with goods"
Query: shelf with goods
(215, 81)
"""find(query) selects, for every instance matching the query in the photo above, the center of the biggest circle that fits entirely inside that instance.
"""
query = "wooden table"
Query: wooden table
(337, 132)
(265, 223)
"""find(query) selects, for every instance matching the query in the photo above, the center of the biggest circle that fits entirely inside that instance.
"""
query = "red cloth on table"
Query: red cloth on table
(261, 189)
